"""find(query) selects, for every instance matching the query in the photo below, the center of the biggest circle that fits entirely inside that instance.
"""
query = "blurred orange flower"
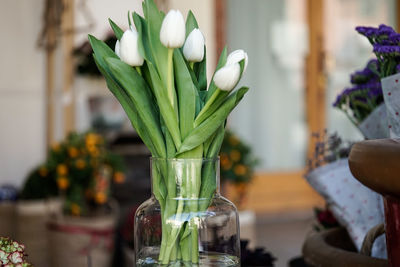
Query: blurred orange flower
(63, 183)
(240, 169)
(73, 152)
(235, 155)
(119, 177)
(75, 209)
(43, 171)
(80, 164)
(62, 169)
(100, 198)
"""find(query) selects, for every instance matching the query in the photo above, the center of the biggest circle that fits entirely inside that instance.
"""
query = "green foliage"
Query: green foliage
(12, 254)
(81, 169)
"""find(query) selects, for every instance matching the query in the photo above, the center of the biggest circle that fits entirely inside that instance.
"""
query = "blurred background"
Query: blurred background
(301, 53)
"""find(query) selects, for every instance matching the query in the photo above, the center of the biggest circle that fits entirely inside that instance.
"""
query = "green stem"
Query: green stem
(170, 76)
(206, 107)
(191, 65)
(138, 70)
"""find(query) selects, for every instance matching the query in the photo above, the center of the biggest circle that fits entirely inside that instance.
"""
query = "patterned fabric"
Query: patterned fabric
(355, 206)
(375, 125)
(391, 94)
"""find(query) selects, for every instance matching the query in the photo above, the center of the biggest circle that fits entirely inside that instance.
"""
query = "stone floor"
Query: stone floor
(283, 234)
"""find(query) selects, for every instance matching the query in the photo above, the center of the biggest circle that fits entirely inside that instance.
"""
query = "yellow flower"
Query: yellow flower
(240, 170)
(73, 152)
(100, 198)
(75, 209)
(80, 164)
(62, 183)
(56, 147)
(43, 171)
(235, 155)
(62, 169)
(233, 140)
(225, 162)
(92, 139)
(119, 177)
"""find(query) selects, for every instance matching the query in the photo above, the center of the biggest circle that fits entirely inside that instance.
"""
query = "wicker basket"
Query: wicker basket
(31, 219)
(82, 241)
(7, 219)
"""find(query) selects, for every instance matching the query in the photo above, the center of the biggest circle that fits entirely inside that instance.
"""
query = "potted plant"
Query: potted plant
(12, 254)
(38, 202)
(84, 171)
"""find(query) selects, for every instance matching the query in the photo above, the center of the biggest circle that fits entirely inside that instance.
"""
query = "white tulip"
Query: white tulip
(193, 50)
(118, 49)
(173, 30)
(227, 77)
(129, 52)
(237, 56)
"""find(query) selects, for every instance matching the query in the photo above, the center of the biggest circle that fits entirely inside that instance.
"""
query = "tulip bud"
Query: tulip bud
(237, 56)
(227, 77)
(129, 52)
(173, 30)
(193, 50)
(118, 49)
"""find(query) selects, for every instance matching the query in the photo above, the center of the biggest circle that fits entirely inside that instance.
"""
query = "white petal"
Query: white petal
(173, 30)
(227, 77)
(193, 50)
(118, 49)
(237, 56)
(129, 52)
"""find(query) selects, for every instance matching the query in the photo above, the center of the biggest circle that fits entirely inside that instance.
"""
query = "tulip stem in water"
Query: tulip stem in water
(170, 82)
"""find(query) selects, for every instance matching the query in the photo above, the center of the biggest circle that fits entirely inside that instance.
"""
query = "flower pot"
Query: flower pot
(333, 248)
(32, 216)
(82, 241)
(7, 221)
(191, 225)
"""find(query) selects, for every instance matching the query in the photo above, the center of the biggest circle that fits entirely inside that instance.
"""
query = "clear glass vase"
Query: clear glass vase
(186, 222)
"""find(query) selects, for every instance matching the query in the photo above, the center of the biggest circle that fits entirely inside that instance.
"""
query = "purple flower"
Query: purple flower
(385, 30)
(369, 32)
(390, 50)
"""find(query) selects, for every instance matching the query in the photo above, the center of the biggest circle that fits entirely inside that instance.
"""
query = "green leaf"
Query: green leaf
(130, 109)
(158, 50)
(117, 30)
(166, 109)
(187, 94)
(202, 132)
(221, 63)
(141, 96)
(143, 41)
(191, 23)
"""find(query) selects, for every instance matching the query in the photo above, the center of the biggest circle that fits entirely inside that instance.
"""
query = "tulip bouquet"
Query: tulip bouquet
(158, 73)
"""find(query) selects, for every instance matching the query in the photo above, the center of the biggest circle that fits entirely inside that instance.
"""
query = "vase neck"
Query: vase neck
(185, 178)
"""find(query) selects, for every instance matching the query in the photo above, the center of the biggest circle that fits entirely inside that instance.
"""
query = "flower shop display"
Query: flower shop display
(363, 102)
(8, 197)
(356, 207)
(157, 71)
(84, 171)
(12, 254)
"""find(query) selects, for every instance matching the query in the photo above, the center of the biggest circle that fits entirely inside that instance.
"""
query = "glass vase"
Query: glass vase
(186, 222)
